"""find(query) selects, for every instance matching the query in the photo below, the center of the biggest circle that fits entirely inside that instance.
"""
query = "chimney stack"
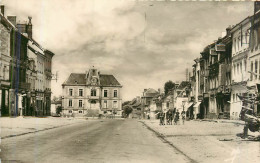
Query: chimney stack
(3, 10)
(12, 19)
(29, 27)
(228, 29)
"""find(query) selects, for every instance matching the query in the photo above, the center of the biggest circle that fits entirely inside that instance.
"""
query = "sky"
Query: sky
(142, 43)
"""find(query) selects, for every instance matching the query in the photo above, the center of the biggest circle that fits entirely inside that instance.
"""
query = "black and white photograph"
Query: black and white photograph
(129, 81)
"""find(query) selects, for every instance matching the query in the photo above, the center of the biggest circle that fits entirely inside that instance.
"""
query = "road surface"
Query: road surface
(91, 141)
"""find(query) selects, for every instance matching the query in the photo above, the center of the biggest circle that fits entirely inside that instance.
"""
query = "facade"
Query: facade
(240, 62)
(254, 57)
(147, 99)
(5, 59)
(22, 69)
(182, 99)
(91, 94)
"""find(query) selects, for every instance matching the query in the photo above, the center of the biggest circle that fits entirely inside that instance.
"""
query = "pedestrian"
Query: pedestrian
(162, 118)
(176, 118)
(183, 116)
(169, 117)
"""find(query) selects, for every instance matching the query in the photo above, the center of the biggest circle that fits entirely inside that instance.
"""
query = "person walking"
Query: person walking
(176, 118)
(183, 116)
(161, 115)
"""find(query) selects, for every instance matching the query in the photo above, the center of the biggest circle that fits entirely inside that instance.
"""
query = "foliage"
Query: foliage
(168, 86)
(127, 110)
(126, 103)
(58, 110)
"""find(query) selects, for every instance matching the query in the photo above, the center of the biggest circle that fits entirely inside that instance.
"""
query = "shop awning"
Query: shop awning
(197, 105)
(189, 105)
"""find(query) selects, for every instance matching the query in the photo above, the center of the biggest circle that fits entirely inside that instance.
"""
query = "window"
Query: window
(105, 93)
(105, 103)
(238, 43)
(80, 103)
(259, 71)
(245, 64)
(70, 111)
(93, 92)
(70, 102)
(238, 69)
(256, 67)
(252, 70)
(234, 46)
(80, 111)
(80, 92)
(114, 104)
(233, 97)
(70, 92)
(115, 93)
(93, 102)
(234, 69)
(241, 67)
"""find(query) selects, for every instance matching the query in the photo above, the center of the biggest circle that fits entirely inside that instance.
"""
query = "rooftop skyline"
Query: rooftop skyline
(143, 44)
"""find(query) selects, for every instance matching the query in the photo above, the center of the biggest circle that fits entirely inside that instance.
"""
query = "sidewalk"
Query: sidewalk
(208, 141)
(239, 122)
(11, 127)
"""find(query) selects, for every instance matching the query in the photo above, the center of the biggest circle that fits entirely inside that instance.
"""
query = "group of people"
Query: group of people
(170, 116)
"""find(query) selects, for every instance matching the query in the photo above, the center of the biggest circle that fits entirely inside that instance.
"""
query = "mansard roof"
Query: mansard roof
(80, 79)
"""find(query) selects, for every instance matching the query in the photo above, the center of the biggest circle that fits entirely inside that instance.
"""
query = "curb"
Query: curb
(32, 132)
(163, 138)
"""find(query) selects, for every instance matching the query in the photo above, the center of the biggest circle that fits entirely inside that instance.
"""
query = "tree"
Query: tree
(168, 86)
(127, 110)
(58, 110)
(126, 103)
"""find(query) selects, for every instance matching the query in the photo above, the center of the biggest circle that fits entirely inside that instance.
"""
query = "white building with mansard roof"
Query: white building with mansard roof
(91, 94)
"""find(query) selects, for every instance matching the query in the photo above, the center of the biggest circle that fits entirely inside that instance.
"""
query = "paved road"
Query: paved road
(91, 141)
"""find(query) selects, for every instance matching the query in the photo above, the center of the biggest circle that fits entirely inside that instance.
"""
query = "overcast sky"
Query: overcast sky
(143, 44)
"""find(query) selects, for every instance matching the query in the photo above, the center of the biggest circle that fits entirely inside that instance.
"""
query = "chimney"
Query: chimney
(3, 10)
(228, 29)
(12, 19)
(21, 28)
(29, 27)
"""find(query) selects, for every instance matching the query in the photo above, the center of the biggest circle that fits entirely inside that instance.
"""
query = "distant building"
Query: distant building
(147, 100)
(91, 94)
(54, 105)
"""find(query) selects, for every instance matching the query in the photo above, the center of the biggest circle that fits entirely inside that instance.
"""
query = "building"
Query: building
(5, 59)
(147, 100)
(240, 76)
(182, 99)
(23, 61)
(91, 94)
(47, 81)
(254, 57)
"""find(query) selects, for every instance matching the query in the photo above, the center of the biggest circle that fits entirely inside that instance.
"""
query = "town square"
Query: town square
(129, 81)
